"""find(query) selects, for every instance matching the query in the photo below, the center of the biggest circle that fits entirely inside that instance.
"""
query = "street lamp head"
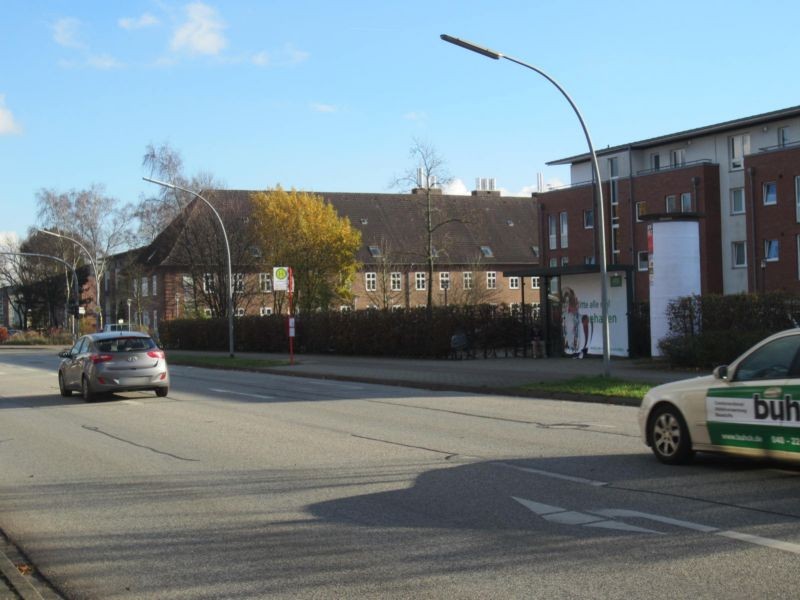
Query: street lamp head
(470, 46)
(161, 183)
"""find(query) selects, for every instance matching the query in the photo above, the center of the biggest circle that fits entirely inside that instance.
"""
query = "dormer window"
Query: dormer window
(364, 221)
(510, 223)
(487, 252)
(375, 251)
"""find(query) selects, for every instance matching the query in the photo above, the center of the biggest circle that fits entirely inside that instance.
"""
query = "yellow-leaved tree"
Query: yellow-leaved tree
(302, 231)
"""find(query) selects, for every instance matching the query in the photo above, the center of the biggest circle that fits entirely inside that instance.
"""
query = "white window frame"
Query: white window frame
(677, 157)
(208, 282)
(513, 283)
(535, 283)
(765, 193)
(552, 232)
(491, 280)
(686, 202)
(563, 228)
(642, 260)
(768, 246)
(444, 277)
(737, 196)
(642, 204)
(468, 280)
(207, 312)
(240, 312)
(265, 282)
(783, 136)
(420, 281)
(396, 281)
(655, 161)
(145, 282)
(564, 261)
(588, 221)
(670, 200)
(371, 281)
(738, 146)
(589, 260)
(553, 262)
(265, 311)
(238, 282)
(735, 247)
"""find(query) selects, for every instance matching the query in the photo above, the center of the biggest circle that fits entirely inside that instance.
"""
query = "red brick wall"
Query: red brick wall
(778, 222)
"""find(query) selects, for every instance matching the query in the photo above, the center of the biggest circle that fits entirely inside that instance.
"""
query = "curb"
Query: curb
(18, 582)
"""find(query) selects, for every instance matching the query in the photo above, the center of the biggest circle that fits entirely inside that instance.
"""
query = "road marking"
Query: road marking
(573, 479)
(595, 518)
(556, 514)
(309, 381)
(259, 396)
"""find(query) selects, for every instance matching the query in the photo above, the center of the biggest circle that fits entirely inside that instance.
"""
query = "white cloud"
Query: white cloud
(456, 188)
(8, 124)
(260, 59)
(104, 62)
(146, 20)
(202, 33)
(65, 32)
(295, 56)
(323, 108)
(415, 116)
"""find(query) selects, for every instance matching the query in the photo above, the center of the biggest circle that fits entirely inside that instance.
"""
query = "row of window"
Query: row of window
(421, 281)
(771, 252)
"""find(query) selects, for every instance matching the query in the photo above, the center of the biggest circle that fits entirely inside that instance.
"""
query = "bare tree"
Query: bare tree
(426, 179)
(384, 296)
(97, 221)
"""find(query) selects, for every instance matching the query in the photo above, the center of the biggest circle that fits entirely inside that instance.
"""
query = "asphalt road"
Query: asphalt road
(243, 485)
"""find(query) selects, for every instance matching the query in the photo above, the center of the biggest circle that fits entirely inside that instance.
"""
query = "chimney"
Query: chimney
(485, 186)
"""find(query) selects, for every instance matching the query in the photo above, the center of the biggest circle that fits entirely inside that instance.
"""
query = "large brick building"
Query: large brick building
(739, 179)
(485, 235)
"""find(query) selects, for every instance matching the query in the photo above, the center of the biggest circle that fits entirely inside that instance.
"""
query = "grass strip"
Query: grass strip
(222, 362)
(596, 385)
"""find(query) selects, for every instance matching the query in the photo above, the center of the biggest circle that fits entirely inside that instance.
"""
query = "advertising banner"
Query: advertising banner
(759, 417)
(581, 315)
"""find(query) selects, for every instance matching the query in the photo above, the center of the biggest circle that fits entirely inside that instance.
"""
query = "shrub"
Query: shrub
(706, 331)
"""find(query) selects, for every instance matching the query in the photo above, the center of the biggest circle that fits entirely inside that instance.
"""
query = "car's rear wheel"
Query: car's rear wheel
(86, 390)
(63, 388)
(669, 436)
(162, 392)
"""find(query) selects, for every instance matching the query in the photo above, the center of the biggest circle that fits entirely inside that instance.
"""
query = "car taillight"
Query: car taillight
(101, 358)
(156, 354)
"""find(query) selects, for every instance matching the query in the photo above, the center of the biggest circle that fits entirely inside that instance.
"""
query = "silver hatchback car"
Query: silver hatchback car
(115, 361)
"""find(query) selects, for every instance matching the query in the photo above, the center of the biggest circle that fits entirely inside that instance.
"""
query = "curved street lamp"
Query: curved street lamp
(93, 260)
(596, 171)
(172, 186)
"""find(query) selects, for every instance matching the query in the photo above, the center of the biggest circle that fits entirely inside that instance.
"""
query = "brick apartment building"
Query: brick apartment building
(739, 179)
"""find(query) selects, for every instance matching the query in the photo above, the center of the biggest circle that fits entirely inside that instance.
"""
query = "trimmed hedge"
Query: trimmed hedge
(406, 333)
(711, 330)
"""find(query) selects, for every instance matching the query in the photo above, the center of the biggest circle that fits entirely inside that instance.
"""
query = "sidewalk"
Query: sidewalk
(479, 375)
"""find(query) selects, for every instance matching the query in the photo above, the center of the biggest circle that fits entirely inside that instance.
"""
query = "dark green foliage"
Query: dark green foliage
(406, 333)
(706, 331)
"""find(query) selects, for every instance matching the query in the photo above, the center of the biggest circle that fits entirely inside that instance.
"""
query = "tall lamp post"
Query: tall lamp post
(172, 186)
(596, 171)
(93, 260)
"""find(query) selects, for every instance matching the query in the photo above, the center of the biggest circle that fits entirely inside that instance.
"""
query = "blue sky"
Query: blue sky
(329, 96)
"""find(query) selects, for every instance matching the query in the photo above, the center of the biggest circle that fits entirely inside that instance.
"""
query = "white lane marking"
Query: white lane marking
(593, 518)
(259, 396)
(621, 512)
(592, 482)
(761, 541)
(309, 381)
(556, 514)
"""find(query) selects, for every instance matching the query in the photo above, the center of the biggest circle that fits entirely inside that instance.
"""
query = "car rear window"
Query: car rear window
(126, 344)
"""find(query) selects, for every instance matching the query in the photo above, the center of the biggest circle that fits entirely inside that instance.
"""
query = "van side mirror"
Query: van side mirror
(721, 372)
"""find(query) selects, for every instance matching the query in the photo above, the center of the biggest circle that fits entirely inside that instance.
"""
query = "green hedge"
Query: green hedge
(407, 333)
(711, 330)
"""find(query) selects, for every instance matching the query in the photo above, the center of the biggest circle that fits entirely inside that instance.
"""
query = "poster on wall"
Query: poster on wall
(581, 315)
